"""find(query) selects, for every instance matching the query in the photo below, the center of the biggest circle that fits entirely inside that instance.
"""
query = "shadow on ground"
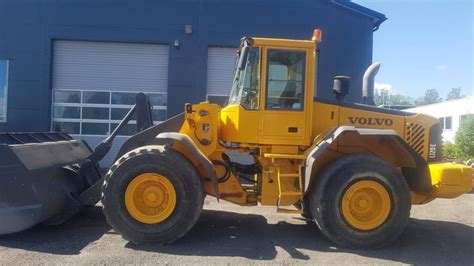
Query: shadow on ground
(227, 234)
(219, 233)
(66, 239)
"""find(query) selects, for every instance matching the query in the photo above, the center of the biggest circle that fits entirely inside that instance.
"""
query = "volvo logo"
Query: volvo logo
(371, 121)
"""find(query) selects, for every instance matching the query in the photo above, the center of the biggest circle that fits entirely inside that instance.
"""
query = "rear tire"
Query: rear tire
(179, 173)
(360, 201)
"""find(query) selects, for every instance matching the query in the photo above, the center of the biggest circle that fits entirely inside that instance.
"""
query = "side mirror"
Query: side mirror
(341, 86)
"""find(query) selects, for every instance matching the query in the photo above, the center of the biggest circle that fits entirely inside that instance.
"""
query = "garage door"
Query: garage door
(220, 73)
(95, 83)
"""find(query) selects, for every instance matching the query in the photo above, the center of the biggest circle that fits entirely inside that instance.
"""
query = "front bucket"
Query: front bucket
(38, 179)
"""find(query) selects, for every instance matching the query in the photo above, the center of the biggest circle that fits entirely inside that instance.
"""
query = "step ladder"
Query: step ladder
(281, 176)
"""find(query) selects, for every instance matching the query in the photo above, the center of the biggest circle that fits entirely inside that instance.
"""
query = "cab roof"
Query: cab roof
(291, 43)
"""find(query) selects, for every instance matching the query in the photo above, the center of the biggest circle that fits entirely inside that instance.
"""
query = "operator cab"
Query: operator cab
(270, 100)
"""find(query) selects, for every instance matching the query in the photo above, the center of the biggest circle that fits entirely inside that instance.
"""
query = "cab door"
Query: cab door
(285, 103)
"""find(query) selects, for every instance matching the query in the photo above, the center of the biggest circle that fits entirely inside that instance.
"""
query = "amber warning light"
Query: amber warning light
(317, 35)
(188, 108)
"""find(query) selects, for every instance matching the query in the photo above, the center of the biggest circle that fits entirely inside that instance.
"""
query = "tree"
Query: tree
(383, 97)
(431, 96)
(463, 147)
(465, 138)
(451, 151)
(454, 93)
(400, 99)
(380, 97)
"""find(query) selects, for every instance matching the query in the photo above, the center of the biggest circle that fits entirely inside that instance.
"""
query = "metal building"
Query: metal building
(451, 114)
(75, 65)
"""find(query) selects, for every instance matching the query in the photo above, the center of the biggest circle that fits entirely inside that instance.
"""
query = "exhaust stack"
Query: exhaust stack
(368, 83)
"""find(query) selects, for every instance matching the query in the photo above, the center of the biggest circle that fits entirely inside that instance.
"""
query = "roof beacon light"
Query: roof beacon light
(188, 108)
(317, 35)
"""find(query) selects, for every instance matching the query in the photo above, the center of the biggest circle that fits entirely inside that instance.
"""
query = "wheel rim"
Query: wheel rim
(150, 198)
(366, 205)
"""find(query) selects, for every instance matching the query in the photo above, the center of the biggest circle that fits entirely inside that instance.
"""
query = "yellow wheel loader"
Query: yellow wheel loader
(354, 169)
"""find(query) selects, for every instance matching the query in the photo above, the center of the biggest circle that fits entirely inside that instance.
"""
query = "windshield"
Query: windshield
(247, 82)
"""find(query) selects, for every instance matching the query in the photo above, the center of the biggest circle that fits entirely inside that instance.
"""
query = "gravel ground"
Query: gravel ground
(441, 232)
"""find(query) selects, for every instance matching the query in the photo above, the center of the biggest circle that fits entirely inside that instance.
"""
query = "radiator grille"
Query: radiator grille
(416, 137)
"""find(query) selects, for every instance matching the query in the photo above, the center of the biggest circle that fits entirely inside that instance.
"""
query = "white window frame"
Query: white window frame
(5, 96)
(110, 106)
(443, 123)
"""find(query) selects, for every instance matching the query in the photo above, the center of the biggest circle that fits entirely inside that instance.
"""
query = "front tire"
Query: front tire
(306, 214)
(360, 201)
(152, 194)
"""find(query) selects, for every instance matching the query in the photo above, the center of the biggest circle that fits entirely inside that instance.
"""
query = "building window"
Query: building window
(446, 122)
(98, 113)
(3, 89)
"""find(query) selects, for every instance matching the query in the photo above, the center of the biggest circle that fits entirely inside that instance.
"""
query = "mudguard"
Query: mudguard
(418, 177)
(188, 143)
(148, 136)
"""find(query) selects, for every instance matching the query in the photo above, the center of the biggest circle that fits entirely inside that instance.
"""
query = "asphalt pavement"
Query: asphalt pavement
(439, 233)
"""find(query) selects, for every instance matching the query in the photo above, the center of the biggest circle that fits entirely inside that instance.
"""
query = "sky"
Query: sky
(424, 44)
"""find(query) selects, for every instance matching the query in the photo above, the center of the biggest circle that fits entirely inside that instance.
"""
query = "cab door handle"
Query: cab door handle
(293, 129)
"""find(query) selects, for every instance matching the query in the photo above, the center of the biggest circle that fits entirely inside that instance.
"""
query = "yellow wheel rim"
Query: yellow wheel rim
(366, 205)
(150, 198)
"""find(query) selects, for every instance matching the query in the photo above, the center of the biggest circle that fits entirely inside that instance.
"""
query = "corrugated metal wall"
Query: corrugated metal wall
(92, 68)
(220, 70)
(110, 66)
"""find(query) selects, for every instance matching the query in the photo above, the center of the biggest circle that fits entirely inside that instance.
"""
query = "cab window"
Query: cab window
(245, 90)
(285, 80)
